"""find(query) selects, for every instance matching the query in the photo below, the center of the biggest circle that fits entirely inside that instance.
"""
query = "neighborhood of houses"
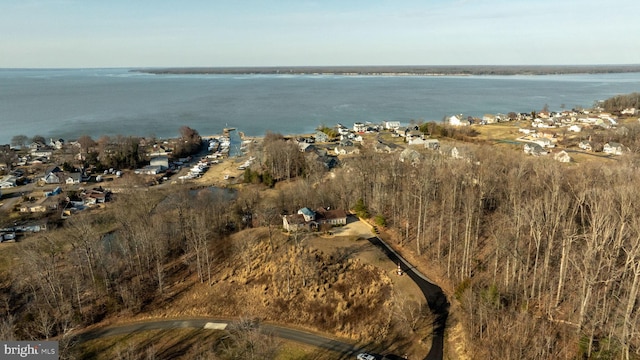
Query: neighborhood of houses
(67, 191)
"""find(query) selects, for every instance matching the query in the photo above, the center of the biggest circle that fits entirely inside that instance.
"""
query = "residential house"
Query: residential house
(37, 161)
(534, 149)
(54, 192)
(334, 217)
(7, 181)
(575, 128)
(95, 196)
(432, 144)
(342, 130)
(544, 142)
(416, 141)
(306, 147)
(458, 120)
(42, 205)
(382, 147)
(490, 119)
(456, 153)
(161, 161)
(391, 125)
(562, 156)
(307, 219)
(161, 150)
(46, 153)
(322, 157)
(628, 111)
(321, 137)
(295, 222)
(73, 178)
(410, 156)
(52, 175)
(613, 148)
(347, 150)
(415, 137)
(585, 145)
(149, 170)
(56, 144)
(359, 127)
(35, 146)
(346, 142)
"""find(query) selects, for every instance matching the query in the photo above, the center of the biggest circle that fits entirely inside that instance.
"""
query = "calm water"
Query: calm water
(70, 103)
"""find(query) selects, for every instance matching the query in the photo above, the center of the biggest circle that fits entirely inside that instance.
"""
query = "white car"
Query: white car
(365, 356)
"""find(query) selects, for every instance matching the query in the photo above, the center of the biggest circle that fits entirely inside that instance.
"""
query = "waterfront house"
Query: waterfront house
(458, 120)
(359, 127)
(391, 125)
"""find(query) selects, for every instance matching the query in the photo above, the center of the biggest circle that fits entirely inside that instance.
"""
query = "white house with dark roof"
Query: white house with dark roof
(391, 125)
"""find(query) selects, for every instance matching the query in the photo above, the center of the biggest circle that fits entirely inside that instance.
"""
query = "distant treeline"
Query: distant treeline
(406, 70)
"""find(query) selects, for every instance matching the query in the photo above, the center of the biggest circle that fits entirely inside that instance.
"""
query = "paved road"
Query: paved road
(435, 298)
(344, 349)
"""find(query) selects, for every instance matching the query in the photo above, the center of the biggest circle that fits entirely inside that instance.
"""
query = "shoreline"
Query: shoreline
(463, 70)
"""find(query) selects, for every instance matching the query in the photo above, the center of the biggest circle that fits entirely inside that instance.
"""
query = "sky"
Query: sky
(185, 33)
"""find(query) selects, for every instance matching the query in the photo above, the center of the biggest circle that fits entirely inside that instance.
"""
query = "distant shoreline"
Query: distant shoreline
(399, 70)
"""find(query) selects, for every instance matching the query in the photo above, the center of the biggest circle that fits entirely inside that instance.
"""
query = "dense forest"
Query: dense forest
(541, 258)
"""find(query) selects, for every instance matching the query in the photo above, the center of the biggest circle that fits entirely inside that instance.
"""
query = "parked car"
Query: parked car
(365, 356)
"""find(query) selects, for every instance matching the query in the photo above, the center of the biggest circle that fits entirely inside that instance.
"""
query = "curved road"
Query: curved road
(435, 298)
(342, 348)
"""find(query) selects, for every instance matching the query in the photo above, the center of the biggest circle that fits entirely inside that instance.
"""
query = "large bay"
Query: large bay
(73, 102)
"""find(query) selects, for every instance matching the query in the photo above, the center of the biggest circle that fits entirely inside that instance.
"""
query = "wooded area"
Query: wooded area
(542, 257)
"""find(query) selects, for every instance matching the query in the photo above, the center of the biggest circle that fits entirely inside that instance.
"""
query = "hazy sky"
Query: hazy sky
(132, 33)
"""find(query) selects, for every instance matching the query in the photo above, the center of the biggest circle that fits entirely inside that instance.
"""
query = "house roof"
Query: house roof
(295, 219)
(332, 214)
(306, 211)
(52, 169)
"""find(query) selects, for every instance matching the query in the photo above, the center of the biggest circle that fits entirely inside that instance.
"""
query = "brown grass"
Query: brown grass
(347, 290)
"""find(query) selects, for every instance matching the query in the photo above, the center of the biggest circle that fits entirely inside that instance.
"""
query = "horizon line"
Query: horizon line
(315, 66)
